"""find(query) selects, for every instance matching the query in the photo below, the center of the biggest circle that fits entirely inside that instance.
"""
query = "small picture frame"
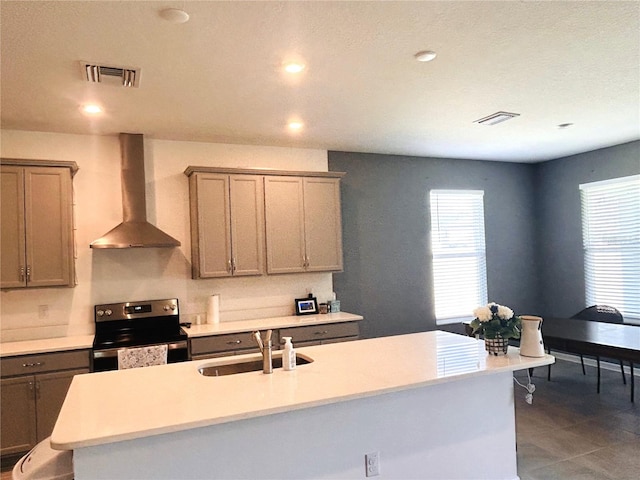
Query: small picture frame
(306, 306)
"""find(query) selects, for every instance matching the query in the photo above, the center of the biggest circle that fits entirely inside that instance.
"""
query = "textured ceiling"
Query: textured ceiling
(218, 77)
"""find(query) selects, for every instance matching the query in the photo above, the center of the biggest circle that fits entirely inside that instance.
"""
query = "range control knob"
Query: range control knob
(108, 312)
(169, 307)
(100, 313)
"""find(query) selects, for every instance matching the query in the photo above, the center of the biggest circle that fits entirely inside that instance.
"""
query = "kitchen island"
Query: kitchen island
(433, 404)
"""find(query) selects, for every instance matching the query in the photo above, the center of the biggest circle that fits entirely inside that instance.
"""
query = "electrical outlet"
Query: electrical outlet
(43, 311)
(372, 464)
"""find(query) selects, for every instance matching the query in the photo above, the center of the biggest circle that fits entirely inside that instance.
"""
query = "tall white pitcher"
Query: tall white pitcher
(531, 344)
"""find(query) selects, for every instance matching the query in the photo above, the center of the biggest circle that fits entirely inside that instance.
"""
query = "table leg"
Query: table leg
(598, 362)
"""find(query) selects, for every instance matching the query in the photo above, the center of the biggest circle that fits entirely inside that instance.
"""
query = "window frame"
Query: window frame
(605, 204)
(441, 254)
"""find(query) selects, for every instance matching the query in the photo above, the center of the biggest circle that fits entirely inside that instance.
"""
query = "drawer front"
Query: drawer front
(222, 343)
(321, 332)
(45, 362)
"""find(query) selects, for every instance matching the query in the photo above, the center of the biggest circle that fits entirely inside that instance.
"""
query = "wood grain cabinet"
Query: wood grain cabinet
(322, 334)
(227, 225)
(303, 224)
(224, 345)
(37, 225)
(32, 390)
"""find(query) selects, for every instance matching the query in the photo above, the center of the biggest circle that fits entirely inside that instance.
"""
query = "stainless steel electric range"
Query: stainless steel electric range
(137, 324)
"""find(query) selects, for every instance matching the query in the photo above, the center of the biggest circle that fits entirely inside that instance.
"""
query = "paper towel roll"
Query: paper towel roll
(213, 309)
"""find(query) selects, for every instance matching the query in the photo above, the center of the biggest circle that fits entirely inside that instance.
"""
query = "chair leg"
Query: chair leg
(549, 367)
(624, 377)
(582, 362)
(632, 383)
(598, 362)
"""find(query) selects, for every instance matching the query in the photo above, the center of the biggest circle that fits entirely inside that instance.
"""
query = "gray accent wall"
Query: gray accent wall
(532, 222)
(561, 270)
(385, 217)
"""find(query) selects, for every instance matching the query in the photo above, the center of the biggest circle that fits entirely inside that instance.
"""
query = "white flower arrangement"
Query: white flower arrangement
(494, 321)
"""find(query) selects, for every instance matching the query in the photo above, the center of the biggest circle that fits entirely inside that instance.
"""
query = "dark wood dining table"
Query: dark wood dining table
(600, 339)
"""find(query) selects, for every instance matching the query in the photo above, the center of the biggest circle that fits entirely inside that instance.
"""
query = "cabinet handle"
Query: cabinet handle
(31, 386)
(233, 265)
(35, 364)
(37, 389)
(234, 342)
(323, 332)
(229, 266)
(22, 274)
(28, 273)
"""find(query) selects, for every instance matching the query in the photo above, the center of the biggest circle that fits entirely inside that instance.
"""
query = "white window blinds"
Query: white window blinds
(611, 239)
(458, 253)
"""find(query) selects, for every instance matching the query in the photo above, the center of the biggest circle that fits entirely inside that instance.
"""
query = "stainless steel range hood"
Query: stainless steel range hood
(134, 231)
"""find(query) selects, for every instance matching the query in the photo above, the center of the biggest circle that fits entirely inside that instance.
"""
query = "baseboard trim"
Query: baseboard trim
(592, 363)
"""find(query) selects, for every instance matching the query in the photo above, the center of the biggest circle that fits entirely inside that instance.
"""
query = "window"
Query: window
(611, 240)
(458, 253)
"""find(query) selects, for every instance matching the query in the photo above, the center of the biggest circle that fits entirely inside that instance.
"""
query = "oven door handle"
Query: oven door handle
(113, 352)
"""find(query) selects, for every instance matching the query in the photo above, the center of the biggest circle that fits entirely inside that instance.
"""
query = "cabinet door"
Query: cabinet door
(323, 226)
(48, 226)
(284, 209)
(51, 390)
(210, 226)
(247, 224)
(18, 415)
(12, 228)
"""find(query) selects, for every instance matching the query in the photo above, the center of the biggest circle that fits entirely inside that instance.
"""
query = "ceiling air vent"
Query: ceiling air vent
(121, 76)
(496, 118)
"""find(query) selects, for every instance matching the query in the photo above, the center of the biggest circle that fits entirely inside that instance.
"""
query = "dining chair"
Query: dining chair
(601, 313)
(142, 356)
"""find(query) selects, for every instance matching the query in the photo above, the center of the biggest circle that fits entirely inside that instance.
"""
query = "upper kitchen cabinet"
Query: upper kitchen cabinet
(303, 223)
(37, 223)
(227, 224)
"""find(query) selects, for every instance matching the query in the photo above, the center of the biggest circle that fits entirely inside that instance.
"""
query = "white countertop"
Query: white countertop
(207, 329)
(123, 405)
(45, 345)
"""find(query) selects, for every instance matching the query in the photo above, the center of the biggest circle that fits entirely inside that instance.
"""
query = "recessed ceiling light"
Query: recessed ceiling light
(564, 126)
(295, 126)
(294, 67)
(92, 109)
(174, 15)
(425, 56)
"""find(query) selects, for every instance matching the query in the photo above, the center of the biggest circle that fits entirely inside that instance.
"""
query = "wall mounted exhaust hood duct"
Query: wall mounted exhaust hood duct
(134, 231)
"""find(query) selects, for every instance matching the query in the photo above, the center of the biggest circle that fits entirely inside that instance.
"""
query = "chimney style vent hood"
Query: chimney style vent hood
(134, 231)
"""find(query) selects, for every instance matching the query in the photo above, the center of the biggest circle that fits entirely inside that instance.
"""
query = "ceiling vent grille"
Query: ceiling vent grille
(497, 117)
(121, 76)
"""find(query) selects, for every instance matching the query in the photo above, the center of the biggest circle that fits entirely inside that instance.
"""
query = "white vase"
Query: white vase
(531, 344)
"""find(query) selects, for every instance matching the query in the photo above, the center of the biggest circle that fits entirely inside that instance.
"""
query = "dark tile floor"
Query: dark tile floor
(571, 432)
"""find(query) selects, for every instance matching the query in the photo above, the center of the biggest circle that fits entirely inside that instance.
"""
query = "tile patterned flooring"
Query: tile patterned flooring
(570, 432)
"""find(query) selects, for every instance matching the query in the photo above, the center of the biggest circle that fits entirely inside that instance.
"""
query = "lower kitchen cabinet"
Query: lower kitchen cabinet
(31, 402)
(239, 343)
(224, 345)
(322, 334)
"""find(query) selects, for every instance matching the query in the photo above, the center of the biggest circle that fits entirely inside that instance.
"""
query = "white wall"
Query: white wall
(106, 276)
(459, 429)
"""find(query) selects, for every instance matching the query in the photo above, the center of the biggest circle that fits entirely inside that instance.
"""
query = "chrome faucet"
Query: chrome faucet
(266, 349)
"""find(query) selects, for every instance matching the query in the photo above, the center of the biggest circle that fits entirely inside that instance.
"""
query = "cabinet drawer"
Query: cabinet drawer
(222, 343)
(45, 362)
(321, 332)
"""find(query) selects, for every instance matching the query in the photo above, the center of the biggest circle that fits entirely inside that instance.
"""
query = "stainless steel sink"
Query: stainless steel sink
(244, 367)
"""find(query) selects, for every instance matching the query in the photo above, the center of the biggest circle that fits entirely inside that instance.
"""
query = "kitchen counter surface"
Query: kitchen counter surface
(45, 345)
(109, 407)
(221, 328)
